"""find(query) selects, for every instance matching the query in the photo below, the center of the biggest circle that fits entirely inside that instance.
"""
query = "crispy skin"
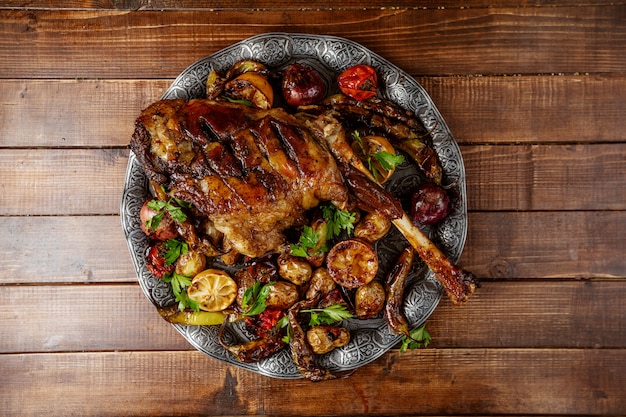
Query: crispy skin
(252, 172)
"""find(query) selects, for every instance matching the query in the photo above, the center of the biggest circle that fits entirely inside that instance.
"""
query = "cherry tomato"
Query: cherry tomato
(155, 260)
(359, 82)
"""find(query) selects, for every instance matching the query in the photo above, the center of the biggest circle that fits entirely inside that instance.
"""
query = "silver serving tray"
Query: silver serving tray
(329, 55)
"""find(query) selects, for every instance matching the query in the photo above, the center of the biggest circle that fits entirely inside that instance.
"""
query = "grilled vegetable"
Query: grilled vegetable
(430, 204)
(359, 82)
(394, 285)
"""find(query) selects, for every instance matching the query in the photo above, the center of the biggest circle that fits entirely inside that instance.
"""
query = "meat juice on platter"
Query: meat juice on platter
(264, 171)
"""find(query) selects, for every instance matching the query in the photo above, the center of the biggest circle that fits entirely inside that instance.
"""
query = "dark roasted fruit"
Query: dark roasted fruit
(302, 86)
(430, 204)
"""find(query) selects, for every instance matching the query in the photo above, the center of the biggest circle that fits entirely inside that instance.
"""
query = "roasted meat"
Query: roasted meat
(252, 172)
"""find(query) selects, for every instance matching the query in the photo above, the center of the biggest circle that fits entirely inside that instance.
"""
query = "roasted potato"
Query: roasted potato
(282, 295)
(372, 227)
(369, 300)
(321, 283)
(323, 339)
(294, 269)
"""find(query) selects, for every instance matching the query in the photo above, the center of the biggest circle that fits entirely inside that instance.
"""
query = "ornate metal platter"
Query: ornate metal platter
(329, 56)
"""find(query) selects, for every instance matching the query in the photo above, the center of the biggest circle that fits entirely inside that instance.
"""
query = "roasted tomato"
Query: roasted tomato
(359, 82)
(155, 260)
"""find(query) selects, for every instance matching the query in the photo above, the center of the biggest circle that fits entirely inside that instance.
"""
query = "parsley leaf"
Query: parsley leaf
(160, 206)
(179, 284)
(387, 160)
(419, 338)
(254, 297)
(338, 220)
(308, 240)
(174, 248)
(328, 315)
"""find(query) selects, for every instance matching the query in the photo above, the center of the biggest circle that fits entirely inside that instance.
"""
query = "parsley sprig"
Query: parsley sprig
(309, 239)
(179, 285)
(328, 315)
(174, 248)
(254, 297)
(336, 221)
(318, 316)
(161, 207)
(419, 338)
(386, 160)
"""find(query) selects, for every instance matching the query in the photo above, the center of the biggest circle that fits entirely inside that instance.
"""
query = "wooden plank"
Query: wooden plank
(500, 245)
(546, 245)
(429, 382)
(92, 181)
(103, 44)
(545, 177)
(517, 177)
(82, 318)
(512, 314)
(298, 5)
(580, 108)
(577, 108)
(66, 249)
(38, 113)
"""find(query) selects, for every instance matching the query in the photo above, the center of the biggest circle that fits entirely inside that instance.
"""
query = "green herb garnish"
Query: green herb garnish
(160, 206)
(328, 315)
(254, 297)
(308, 241)
(179, 284)
(338, 220)
(174, 248)
(419, 338)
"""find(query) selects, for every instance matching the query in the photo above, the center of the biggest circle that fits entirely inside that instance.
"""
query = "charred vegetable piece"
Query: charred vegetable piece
(254, 350)
(294, 269)
(191, 318)
(251, 87)
(359, 82)
(394, 285)
(425, 157)
(372, 227)
(430, 204)
(352, 263)
(156, 260)
(301, 352)
(302, 86)
(325, 338)
(369, 300)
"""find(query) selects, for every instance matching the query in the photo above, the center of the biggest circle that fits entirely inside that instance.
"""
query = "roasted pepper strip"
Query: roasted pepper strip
(394, 286)
(191, 318)
(301, 351)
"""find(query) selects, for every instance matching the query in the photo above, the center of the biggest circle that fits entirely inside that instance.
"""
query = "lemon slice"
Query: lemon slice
(213, 290)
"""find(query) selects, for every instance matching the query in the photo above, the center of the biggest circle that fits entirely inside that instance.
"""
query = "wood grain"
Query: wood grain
(511, 314)
(500, 245)
(453, 381)
(292, 5)
(423, 42)
(579, 108)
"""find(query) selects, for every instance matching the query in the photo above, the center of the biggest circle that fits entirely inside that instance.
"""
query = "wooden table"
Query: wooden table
(535, 94)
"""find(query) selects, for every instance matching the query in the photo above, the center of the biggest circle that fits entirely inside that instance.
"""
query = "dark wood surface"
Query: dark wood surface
(533, 91)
